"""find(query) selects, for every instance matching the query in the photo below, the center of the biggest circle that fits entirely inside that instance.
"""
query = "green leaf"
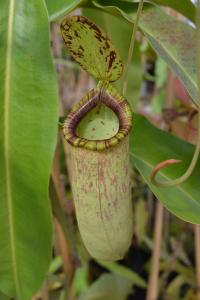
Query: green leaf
(161, 73)
(62, 8)
(124, 272)
(59, 8)
(28, 128)
(141, 218)
(80, 280)
(91, 48)
(150, 146)
(186, 8)
(3, 297)
(108, 286)
(56, 264)
(171, 45)
(174, 288)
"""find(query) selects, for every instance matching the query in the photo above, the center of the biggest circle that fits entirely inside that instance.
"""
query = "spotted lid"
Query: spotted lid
(91, 48)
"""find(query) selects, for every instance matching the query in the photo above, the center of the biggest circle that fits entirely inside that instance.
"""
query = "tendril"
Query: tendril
(194, 160)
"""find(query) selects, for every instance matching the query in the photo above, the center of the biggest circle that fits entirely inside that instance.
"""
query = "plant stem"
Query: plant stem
(45, 291)
(131, 47)
(152, 290)
(62, 231)
(197, 252)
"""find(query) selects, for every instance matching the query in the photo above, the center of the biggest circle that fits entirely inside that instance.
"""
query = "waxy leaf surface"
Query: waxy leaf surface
(60, 8)
(149, 146)
(28, 127)
(108, 286)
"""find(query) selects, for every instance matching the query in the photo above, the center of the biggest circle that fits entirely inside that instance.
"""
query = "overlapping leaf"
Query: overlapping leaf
(108, 286)
(28, 127)
(60, 8)
(176, 47)
(150, 146)
(186, 8)
(123, 271)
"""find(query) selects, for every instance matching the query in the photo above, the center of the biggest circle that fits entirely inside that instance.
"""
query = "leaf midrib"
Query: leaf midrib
(8, 62)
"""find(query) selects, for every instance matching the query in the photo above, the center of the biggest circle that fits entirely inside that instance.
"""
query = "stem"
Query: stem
(170, 90)
(62, 230)
(45, 291)
(152, 291)
(61, 222)
(197, 251)
(194, 160)
(131, 47)
(64, 250)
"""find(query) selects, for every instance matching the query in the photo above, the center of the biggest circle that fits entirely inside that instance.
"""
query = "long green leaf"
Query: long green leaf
(150, 146)
(3, 297)
(177, 47)
(186, 7)
(60, 8)
(27, 138)
(123, 271)
(108, 286)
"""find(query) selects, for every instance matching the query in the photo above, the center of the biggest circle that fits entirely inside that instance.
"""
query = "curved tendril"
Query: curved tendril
(168, 162)
(194, 160)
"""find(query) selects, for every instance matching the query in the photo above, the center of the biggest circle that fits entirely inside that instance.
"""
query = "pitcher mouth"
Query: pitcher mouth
(112, 99)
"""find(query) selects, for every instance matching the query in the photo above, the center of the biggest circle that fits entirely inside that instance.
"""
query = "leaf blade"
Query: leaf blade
(172, 46)
(26, 142)
(177, 51)
(108, 286)
(123, 271)
(58, 9)
(183, 200)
